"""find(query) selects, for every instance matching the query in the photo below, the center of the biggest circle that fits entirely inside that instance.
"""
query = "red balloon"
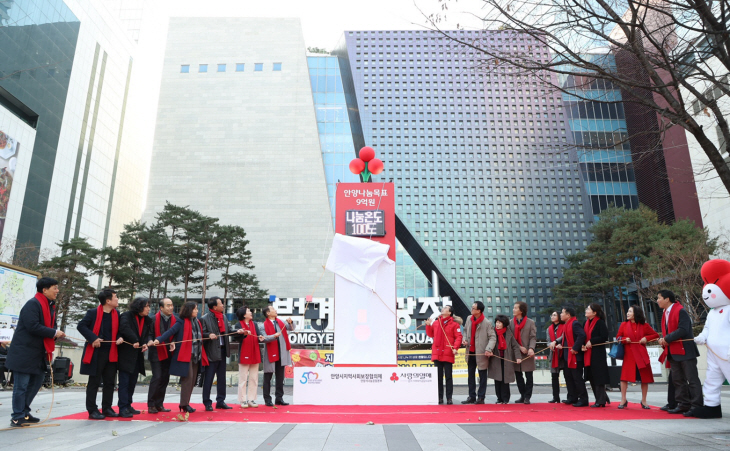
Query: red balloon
(367, 154)
(357, 166)
(375, 166)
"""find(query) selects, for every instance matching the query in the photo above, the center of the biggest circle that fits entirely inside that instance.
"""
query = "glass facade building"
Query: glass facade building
(487, 181)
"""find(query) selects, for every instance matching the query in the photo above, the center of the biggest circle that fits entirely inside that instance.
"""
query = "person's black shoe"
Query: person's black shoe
(186, 409)
(479, 401)
(222, 405)
(668, 407)
(678, 409)
(269, 404)
(96, 415)
(567, 401)
(126, 413)
(31, 419)
(109, 413)
(441, 401)
(554, 400)
(449, 401)
(133, 411)
(161, 408)
(598, 405)
(520, 400)
(580, 404)
(18, 423)
(152, 409)
(689, 413)
(526, 401)
(280, 402)
(469, 400)
(209, 407)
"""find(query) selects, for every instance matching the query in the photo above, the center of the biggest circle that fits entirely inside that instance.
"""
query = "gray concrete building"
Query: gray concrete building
(236, 138)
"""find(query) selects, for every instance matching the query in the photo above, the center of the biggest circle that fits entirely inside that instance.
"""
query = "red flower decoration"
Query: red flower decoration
(367, 164)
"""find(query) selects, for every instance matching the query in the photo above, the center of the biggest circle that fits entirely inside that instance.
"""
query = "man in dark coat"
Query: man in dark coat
(135, 327)
(218, 350)
(100, 327)
(32, 348)
(160, 357)
(573, 341)
(681, 356)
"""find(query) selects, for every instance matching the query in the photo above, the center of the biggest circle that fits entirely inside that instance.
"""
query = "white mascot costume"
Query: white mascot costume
(716, 335)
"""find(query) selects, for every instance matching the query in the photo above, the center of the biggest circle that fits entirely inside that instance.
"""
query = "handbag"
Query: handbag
(617, 350)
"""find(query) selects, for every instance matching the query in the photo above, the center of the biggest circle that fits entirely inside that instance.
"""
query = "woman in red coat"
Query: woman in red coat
(634, 334)
(446, 334)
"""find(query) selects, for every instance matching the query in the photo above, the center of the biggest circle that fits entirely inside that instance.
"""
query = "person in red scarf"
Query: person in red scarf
(31, 349)
(160, 357)
(635, 333)
(501, 368)
(594, 353)
(525, 332)
(574, 337)
(446, 334)
(479, 339)
(249, 357)
(276, 354)
(189, 354)
(680, 356)
(555, 337)
(135, 326)
(218, 348)
(100, 327)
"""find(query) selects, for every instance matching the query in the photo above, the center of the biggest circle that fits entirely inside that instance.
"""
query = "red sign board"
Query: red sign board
(367, 197)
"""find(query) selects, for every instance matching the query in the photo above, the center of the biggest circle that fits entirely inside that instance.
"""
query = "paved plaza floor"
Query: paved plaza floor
(639, 435)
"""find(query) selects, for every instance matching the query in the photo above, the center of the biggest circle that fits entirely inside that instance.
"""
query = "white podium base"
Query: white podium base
(365, 386)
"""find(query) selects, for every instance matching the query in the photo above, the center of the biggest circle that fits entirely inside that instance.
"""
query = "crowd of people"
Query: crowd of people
(193, 348)
(505, 353)
(196, 350)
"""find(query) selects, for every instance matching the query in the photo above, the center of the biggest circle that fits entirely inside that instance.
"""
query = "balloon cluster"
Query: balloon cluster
(367, 164)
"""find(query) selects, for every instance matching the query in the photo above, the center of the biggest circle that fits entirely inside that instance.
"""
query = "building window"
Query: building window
(185, 69)
(221, 68)
(203, 68)
(258, 67)
(239, 67)
(277, 67)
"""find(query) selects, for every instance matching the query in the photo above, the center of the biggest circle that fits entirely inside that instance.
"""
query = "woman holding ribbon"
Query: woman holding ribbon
(249, 357)
(594, 353)
(446, 334)
(555, 337)
(135, 327)
(502, 363)
(635, 334)
(189, 353)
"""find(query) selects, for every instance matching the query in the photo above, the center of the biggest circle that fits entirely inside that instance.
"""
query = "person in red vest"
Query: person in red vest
(680, 356)
(32, 348)
(555, 336)
(446, 334)
(276, 354)
(160, 357)
(635, 333)
(189, 357)
(100, 327)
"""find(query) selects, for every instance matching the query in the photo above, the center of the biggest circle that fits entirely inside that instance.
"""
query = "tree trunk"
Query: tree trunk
(205, 270)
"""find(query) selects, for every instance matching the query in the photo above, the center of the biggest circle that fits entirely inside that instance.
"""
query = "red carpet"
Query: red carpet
(512, 413)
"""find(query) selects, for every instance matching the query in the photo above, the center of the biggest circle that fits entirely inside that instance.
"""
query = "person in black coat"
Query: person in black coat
(160, 357)
(572, 347)
(32, 348)
(216, 329)
(135, 326)
(596, 367)
(677, 325)
(100, 327)
(189, 352)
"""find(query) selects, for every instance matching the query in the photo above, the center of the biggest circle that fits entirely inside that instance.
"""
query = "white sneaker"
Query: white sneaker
(252, 404)
(244, 405)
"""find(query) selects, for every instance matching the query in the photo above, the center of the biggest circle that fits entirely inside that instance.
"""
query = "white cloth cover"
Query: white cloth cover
(357, 259)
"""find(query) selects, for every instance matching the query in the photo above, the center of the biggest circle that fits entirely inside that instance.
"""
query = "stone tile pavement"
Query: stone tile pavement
(641, 435)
